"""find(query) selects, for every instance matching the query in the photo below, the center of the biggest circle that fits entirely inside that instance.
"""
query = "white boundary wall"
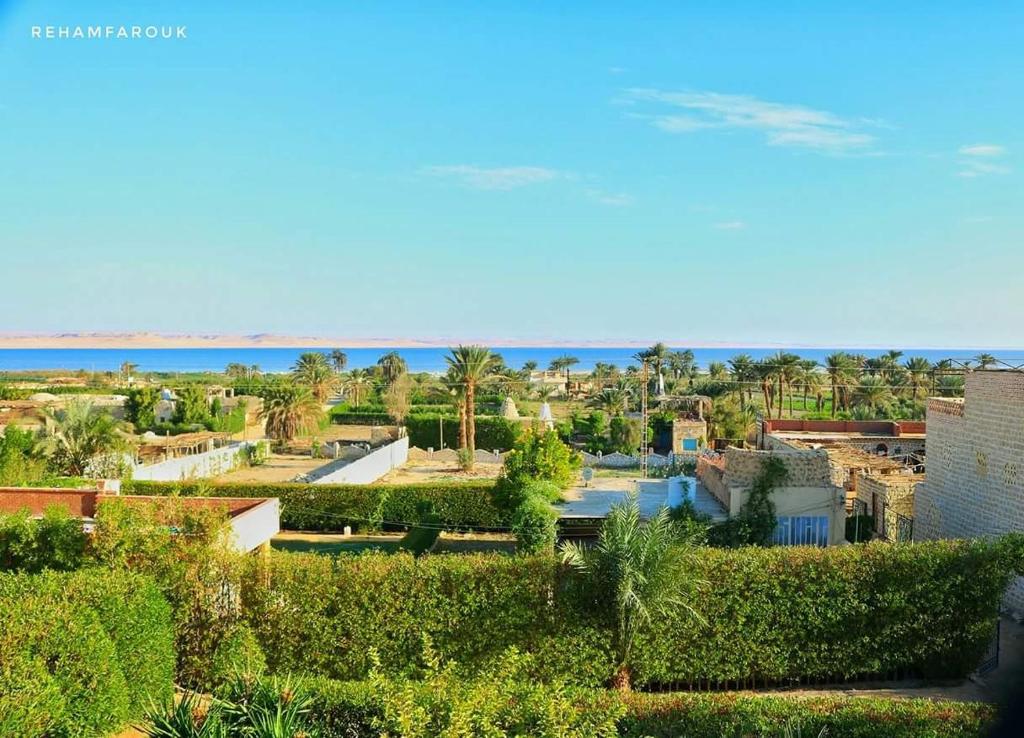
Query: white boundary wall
(197, 466)
(371, 467)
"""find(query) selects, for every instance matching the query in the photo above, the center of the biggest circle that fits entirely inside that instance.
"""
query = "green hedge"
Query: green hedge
(492, 432)
(330, 507)
(775, 615)
(716, 715)
(348, 709)
(81, 654)
(351, 417)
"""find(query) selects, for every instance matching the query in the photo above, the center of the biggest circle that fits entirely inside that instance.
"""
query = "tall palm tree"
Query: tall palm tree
(786, 368)
(313, 370)
(985, 360)
(289, 411)
(127, 369)
(810, 381)
(470, 365)
(656, 356)
(681, 363)
(741, 367)
(873, 392)
(563, 363)
(839, 367)
(339, 360)
(392, 366)
(918, 371)
(357, 382)
(77, 435)
(603, 370)
(639, 570)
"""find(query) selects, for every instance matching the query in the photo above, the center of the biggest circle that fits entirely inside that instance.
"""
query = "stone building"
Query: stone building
(890, 499)
(810, 507)
(881, 437)
(974, 484)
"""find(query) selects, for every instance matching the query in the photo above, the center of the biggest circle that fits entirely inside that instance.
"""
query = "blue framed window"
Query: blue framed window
(689, 444)
(801, 530)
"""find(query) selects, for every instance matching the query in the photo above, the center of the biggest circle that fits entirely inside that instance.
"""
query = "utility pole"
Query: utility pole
(643, 421)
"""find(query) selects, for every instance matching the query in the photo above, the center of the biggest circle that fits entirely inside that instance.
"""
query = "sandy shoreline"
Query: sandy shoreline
(164, 341)
(270, 340)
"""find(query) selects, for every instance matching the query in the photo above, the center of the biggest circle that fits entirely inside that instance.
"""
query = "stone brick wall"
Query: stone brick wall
(807, 467)
(975, 471)
(893, 494)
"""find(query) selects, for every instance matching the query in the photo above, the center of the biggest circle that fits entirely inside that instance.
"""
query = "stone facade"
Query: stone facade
(813, 486)
(974, 484)
(886, 496)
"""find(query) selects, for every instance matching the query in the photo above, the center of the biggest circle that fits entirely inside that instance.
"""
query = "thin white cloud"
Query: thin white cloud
(990, 150)
(495, 178)
(978, 160)
(613, 199)
(731, 225)
(783, 125)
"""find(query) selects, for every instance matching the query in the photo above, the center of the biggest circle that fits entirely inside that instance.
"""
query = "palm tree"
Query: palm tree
(290, 411)
(810, 381)
(986, 360)
(637, 568)
(717, 370)
(529, 366)
(873, 392)
(563, 363)
(840, 370)
(741, 367)
(786, 367)
(339, 360)
(313, 370)
(469, 366)
(680, 363)
(612, 400)
(77, 435)
(656, 356)
(603, 370)
(950, 385)
(392, 366)
(357, 382)
(918, 370)
(127, 369)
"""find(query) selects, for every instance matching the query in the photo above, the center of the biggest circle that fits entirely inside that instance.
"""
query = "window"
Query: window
(689, 444)
(801, 530)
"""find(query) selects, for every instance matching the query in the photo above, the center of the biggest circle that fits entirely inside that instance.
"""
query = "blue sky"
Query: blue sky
(719, 172)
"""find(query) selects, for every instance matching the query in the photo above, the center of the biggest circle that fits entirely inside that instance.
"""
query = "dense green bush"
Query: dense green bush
(238, 651)
(81, 654)
(325, 615)
(535, 525)
(492, 432)
(354, 417)
(29, 544)
(330, 507)
(716, 715)
(776, 615)
(538, 456)
(352, 709)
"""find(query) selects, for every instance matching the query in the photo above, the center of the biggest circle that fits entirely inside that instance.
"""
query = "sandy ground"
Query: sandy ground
(278, 468)
(413, 472)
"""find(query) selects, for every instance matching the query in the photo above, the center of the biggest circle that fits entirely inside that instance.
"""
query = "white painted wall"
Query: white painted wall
(257, 525)
(371, 467)
(198, 466)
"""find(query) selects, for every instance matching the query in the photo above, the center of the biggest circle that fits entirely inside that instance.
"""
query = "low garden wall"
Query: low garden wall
(768, 616)
(369, 468)
(198, 466)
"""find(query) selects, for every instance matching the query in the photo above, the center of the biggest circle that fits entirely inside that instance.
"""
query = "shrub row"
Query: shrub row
(330, 507)
(492, 432)
(81, 654)
(776, 615)
(349, 710)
